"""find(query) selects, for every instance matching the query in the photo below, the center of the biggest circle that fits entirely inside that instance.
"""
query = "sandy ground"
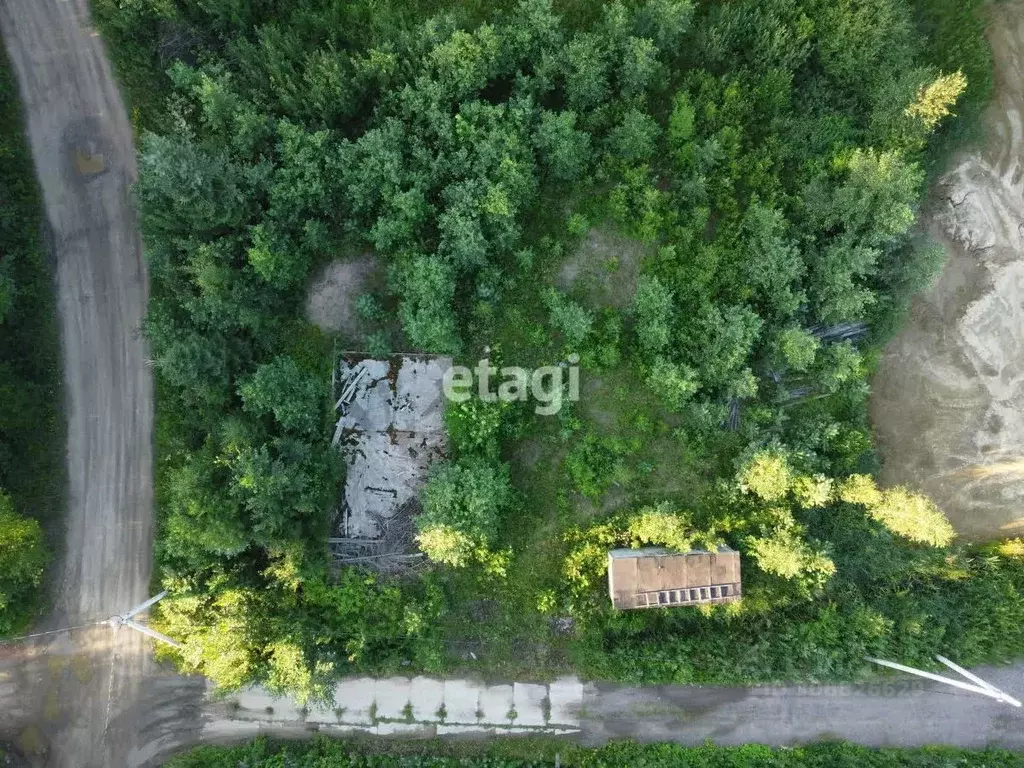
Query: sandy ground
(948, 402)
(72, 699)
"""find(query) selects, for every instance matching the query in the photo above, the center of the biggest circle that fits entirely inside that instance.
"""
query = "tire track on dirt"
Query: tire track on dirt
(81, 143)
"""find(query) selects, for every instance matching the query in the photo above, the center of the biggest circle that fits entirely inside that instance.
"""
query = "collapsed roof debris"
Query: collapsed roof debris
(391, 428)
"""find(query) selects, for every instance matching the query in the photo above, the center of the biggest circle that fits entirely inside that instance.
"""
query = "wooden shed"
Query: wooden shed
(659, 578)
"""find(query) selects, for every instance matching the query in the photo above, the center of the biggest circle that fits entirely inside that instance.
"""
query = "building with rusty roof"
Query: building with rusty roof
(659, 578)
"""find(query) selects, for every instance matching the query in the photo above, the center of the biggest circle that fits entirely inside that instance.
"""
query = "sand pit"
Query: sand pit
(948, 399)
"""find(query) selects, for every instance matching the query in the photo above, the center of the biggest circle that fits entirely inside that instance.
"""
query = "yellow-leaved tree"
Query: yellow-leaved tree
(935, 100)
(911, 515)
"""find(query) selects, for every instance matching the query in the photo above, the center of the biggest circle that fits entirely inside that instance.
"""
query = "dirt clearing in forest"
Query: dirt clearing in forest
(331, 303)
(948, 399)
(605, 268)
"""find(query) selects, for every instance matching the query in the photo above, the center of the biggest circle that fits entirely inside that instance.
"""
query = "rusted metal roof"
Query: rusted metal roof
(653, 577)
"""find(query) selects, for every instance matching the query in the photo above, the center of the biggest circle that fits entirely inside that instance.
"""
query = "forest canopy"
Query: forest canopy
(757, 168)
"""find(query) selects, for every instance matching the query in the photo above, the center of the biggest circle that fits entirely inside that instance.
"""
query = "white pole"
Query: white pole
(965, 673)
(151, 632)
(143, 606)
(983, 690)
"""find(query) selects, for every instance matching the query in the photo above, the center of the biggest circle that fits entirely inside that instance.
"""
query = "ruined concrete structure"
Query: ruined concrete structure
(391, 429)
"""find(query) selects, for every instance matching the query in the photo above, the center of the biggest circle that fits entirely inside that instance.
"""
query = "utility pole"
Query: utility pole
(125, 620)
(979, 685)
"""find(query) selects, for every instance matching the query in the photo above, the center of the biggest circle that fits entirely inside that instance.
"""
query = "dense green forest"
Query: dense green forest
(31, 430)
(711, 203)
(526, 753)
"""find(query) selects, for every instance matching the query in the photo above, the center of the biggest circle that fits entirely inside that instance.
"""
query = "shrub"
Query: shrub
(462, 506)
(905, 513)
(860, 489)
(595, 463)
(22, 559)
(935, 100)
(913, 516)
(448, 545)
(659, 526)
(1011, 548)
(798, 348)
(296, 398)
(766, 474)
(788, 556)
(653, 309)
(674, 384)
(573, 321)
(812, 490)
(475, 426)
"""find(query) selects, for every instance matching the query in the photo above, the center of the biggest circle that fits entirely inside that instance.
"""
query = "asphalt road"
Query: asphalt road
(905, 713)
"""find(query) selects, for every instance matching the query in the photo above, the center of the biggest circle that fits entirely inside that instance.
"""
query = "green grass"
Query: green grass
(955, 33)
(497, 619)
(508, 623)
(538, 752)
(133, 35)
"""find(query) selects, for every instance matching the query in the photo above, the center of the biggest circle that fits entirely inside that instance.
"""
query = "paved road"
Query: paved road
(905, 714)
(73, 700)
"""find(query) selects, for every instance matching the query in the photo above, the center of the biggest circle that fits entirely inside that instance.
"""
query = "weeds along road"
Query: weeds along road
(72, 699)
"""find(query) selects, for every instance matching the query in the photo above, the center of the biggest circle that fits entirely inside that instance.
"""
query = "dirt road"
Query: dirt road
(906, 712)
(948, 399)
(69, 704)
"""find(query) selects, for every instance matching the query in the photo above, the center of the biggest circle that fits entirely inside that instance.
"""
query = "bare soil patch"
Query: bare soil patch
(604, 268)
(333, 293)
(948, 402)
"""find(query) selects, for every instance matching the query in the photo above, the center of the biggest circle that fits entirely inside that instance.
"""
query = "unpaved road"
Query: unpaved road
(72, 700)
(948, 399)
(908, 712)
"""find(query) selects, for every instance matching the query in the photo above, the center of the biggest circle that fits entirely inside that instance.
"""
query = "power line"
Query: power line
(117, 621)
(20, 638)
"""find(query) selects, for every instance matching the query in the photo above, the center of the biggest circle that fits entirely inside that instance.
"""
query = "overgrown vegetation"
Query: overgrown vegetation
(765, 159)
(539, 753)
(31, 466)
